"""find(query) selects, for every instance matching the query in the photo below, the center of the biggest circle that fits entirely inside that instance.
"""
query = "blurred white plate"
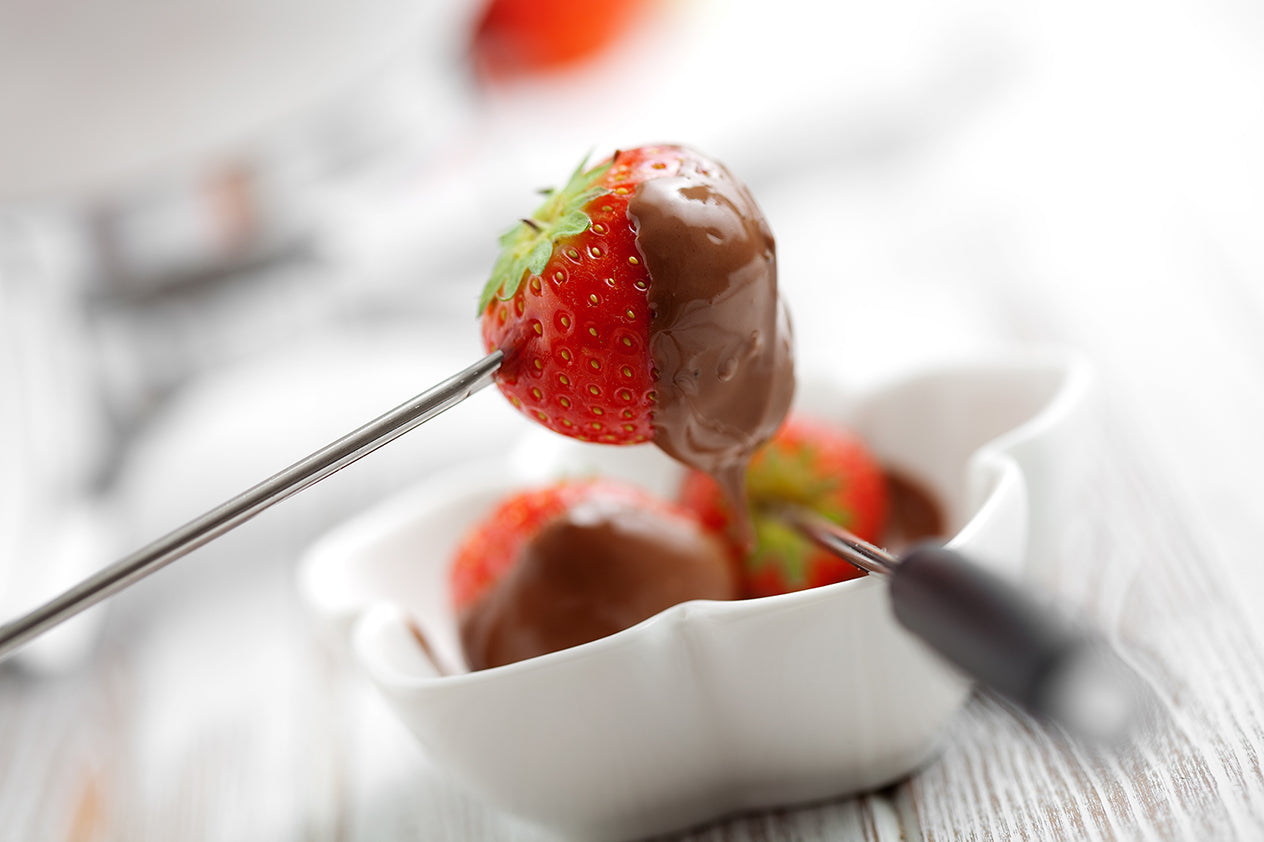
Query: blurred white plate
(129, 90)
(709, 707)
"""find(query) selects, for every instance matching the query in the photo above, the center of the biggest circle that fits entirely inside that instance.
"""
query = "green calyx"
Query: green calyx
(789, 476)
(776, 542)
(526, 248)
(793, 475)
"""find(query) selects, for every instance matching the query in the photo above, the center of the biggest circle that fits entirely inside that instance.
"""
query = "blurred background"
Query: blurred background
(230, 232)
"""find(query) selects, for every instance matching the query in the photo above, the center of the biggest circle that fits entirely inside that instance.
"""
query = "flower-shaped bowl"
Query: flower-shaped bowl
(707, 708)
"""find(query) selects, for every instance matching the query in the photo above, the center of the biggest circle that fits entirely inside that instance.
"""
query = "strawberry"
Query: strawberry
(560, 565)
(568, 303)
(823, 467)
(523, 37)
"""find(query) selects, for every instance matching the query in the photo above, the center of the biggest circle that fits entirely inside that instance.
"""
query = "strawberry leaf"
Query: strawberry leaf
(574, 222)
(777, 543)
(527, 247)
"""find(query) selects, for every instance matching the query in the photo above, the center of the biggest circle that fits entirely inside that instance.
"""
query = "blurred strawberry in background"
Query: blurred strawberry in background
(520, 37)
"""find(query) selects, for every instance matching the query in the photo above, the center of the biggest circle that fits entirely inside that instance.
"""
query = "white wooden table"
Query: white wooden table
(1099, 197)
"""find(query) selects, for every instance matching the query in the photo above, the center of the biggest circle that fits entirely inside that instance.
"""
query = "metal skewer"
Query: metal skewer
(302, 474)
(840, 542)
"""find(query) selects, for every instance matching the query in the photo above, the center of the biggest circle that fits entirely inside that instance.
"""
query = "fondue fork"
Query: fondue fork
(995, 633)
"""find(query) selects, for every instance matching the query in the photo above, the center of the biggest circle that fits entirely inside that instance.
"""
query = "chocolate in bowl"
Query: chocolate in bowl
(914, 514)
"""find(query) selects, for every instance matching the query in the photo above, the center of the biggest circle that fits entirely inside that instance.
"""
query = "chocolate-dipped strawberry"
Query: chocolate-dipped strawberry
(559, 565)
(639, 303)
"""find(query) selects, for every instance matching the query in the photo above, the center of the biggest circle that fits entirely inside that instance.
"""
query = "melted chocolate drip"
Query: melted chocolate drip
(720, 338)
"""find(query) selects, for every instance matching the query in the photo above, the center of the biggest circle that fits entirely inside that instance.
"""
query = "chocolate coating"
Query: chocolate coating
(602, 567)
(720, 338)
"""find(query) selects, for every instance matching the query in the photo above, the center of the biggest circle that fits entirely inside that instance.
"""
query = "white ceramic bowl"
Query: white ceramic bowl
(708, 707)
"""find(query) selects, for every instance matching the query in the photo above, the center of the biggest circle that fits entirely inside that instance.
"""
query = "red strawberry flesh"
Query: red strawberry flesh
(567, 303)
